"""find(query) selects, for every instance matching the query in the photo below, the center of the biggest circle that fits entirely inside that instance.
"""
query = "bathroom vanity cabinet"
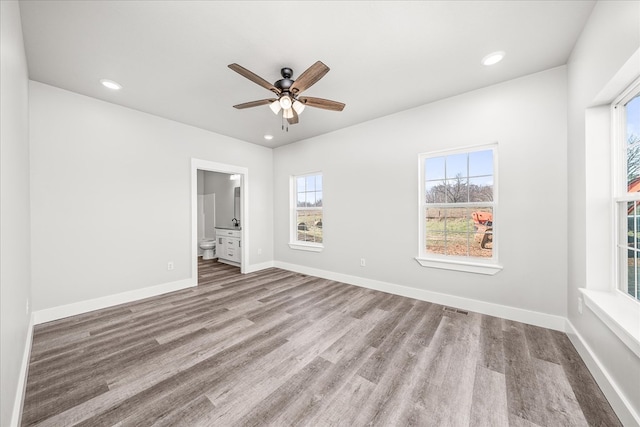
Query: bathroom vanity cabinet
(228, 246)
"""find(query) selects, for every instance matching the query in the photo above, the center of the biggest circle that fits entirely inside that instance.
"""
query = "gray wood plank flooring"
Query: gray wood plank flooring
(278, 348)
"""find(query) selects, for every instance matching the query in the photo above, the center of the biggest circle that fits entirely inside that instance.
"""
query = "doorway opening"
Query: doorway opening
(231, 216)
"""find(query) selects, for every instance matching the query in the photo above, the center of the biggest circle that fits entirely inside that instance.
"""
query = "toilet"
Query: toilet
(209, 248)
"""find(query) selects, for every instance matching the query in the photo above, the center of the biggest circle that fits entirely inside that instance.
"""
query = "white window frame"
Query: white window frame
(294, 243)
(619, 181)
(469, 264)
(618, 310)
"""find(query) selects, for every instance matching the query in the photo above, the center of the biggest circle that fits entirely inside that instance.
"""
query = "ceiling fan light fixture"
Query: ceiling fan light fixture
(275, 107)
(288, 113)
(298, 106)
(285, 102)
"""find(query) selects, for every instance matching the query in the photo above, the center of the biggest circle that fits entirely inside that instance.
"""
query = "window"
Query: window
(626, 138)
(612, 297)
(306, 212)
(458, 210)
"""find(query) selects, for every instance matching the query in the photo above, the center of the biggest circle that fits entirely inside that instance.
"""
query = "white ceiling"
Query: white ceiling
(385, 56)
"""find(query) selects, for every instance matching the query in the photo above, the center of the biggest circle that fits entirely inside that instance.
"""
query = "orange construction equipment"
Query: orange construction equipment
(486, 219)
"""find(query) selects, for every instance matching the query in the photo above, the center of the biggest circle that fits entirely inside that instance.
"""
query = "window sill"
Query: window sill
(310, 247)
(466, 266)
(619, 312)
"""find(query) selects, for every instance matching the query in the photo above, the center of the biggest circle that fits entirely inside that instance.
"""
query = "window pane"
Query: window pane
(300, 185)
(434, 168)
(435, 243)
(632, 110)
(318, 198)
(311, 199)
(632, 273)
(311, 183)
(435, 192)
(633, 224)
(435, 220)
(457, 190)
(457, 244)
(301, 200)
(309, 225)
(633, 242)
(481, 163)
(318, 182)
(628, 252)
(456, 165)
(482, 243)
(458, 220)
(460, 231)
(481, 189)
(635, 291)
(633, 169)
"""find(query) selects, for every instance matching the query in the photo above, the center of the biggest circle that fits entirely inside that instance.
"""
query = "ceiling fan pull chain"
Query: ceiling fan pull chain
(283, 124)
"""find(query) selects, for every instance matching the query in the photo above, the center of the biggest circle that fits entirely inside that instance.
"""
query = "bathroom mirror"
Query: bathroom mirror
(236, 203)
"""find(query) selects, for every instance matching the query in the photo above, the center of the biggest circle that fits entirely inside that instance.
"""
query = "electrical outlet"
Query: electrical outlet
(580, 305)
(363, 262)
(259, 251)
(170, 265)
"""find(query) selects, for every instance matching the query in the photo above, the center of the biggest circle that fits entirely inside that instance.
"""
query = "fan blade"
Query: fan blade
(254, 103)
(325, 104)
(254, 77)
(293, 120)
(310, 77)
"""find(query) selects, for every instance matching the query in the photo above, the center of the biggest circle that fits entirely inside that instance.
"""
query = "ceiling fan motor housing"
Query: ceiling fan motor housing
(286, 81)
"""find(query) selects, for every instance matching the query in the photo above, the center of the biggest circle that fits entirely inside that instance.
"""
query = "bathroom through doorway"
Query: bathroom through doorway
(219, 201)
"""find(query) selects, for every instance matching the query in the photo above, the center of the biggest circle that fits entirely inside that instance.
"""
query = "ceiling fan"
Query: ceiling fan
(287, 91)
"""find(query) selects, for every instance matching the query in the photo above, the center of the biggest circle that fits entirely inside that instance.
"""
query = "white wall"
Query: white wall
(110, 194)
(370, 180)
(15, 275)
(610, 37)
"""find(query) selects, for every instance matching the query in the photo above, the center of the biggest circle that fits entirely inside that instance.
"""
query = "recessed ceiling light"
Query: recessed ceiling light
(493, 58)
(110, 84)
(268, 137)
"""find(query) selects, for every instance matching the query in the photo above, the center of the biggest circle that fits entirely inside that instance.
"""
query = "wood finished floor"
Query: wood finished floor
(280, 348)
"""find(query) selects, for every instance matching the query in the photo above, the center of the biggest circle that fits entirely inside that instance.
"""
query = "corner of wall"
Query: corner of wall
(15, 268)
(612, 391)
(18, 403)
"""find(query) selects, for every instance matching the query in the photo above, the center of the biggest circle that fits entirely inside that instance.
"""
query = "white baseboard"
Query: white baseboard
(60, 312)
(22, 378)
(612, 392)
(257, 267)
(517, 314)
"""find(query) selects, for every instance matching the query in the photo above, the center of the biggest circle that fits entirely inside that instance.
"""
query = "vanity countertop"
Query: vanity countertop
(231, 227)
